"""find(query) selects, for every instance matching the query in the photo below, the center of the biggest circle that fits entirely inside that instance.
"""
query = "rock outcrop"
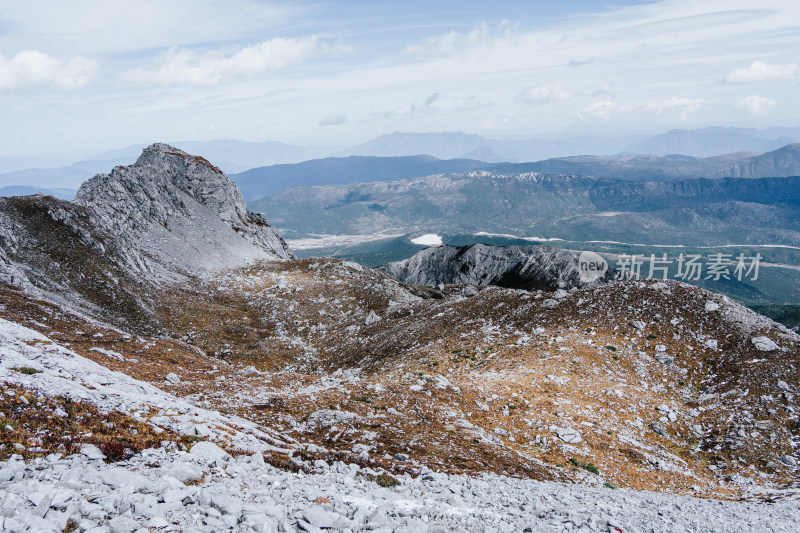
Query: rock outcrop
(535, 267)
(168, 216)
(181, 210)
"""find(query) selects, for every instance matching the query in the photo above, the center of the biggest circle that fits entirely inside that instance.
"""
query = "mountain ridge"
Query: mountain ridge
(531, 268)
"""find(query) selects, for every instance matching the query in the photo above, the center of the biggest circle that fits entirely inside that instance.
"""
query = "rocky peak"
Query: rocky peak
(180, 208)
(130, 233)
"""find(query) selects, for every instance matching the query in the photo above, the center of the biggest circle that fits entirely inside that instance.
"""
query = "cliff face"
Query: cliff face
(517, 267)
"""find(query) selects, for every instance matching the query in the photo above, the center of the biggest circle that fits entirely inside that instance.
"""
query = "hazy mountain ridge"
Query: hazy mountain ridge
(784, 161)
(23, 190)
(711, 141)
(552, 156)
(260, 182)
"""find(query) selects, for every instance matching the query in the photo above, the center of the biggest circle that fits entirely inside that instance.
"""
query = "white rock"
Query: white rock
(568, 435)
(209, 453)
(326, 418)
(765, 344)
(92, 452)
(711, 306)
(318, 517)
(123, 524)
(172, 378)
(183, 472)
(372, 318)
(249, 370)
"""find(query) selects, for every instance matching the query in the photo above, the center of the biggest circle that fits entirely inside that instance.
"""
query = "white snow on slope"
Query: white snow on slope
(429, 239)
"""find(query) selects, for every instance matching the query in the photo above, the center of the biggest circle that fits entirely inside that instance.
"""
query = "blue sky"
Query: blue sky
(88, 75)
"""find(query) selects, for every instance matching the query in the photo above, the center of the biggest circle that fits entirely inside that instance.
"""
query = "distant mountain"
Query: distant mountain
(485, 153)
(237, 156)
(697, 212)
(260, 182)
(22, 190)
(69, 177)
(10, 164)
(445, 145)
(782, 162)
(449, 145)
(711, 141)
(229, 155)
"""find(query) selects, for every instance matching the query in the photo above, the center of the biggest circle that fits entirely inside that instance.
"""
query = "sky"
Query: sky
(90, 75)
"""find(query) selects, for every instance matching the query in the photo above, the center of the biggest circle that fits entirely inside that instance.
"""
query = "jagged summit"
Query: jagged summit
(168, 216)
(534, 267)
(180, 206)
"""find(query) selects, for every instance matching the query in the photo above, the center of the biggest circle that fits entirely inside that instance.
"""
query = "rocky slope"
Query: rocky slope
(515, 267)
(351, 382)
(223, 483)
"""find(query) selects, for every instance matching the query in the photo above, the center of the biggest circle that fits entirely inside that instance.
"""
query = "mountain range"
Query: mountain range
(264, 181)
(699, 212)
(714, 140)
(705, 142)
(238, 156)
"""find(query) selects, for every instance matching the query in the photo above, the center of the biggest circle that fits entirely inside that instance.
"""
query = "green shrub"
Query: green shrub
(385, 480)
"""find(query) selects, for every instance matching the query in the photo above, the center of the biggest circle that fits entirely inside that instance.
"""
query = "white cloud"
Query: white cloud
(89, 27)
(760, 71)
(408, 111)
(35, 69)
(542, 94)
(481, 39)
(332, 120)
(184, 66)
(756, 105)
(683, 106)
(580, 62)
(431, 99)
(602, 109)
